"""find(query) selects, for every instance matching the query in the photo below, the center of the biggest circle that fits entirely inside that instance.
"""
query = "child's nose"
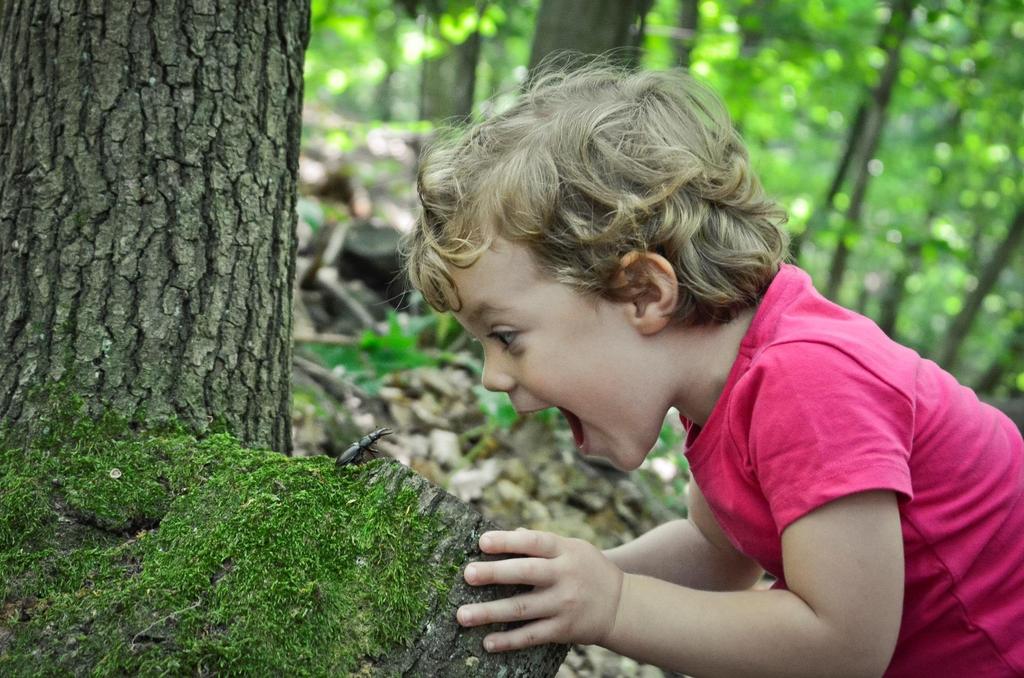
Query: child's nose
(495, 378)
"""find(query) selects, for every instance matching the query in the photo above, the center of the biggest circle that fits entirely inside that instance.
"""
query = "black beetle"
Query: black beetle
(364, 444)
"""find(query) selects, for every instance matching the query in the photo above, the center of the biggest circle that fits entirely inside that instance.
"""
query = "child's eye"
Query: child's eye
(506, 337)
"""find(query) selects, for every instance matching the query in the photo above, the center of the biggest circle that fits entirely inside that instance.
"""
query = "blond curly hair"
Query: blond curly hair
(592, 163)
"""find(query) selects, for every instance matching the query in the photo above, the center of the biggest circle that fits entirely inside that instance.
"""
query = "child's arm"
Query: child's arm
(694, 552)
(841, 616)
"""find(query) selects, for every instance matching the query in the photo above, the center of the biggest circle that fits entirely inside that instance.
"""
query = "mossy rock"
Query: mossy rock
(128, 552)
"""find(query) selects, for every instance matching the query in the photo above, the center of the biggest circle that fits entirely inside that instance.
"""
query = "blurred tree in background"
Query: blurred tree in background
(893, 132)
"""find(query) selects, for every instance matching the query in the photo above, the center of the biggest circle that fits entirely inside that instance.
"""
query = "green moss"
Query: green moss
(152, 552)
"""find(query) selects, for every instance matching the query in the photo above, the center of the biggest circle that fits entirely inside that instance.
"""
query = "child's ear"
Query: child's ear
(650, 287)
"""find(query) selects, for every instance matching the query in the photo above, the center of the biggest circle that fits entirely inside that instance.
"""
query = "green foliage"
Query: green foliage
(201, 556)
(408, 342)
(496, 407)
(377, 354)
(670, 446)
(365, 56)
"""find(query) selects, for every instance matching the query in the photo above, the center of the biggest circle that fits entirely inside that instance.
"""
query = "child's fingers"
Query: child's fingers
(517, 608)
(536, 633)
(527, 542)
(530, 571)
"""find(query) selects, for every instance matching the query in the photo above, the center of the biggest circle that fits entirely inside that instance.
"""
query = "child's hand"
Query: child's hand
(575, 597)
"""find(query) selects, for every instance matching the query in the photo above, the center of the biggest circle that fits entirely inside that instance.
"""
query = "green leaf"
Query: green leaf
(496, 406)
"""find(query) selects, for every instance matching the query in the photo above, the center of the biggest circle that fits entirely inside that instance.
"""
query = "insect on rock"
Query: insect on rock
(364, 444)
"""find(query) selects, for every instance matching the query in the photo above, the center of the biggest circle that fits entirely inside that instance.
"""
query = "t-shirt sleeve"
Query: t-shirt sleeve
(822, 427)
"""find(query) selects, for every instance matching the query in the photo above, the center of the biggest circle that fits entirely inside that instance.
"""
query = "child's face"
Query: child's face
(548, 346)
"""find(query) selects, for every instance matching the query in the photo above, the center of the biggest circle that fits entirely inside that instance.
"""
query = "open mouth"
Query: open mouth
(575, 425)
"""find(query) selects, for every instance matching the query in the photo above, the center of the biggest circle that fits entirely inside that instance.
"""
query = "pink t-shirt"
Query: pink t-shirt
(821, 404)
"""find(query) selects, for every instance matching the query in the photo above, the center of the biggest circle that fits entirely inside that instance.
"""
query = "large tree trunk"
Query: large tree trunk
(147, 195)
(587, 26)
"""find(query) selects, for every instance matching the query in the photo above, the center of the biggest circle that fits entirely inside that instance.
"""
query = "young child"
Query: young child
(608, 243)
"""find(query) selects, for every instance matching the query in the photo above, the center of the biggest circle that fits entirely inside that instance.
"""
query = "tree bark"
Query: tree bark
(586, 26)
(895, 291)
(1001, 257)
(385, 90)
(852, 139)
(638, 34)
(751, 33)
(448, 83)
(857, 141)
(445, 648)
(950, 131)
(874, 122)
(147, 207)
(1009, 358)
(892, 300)
(689, 20)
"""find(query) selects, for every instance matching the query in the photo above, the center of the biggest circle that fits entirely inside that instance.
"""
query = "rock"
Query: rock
(648, 671)
(535, 513)
(429, 412)
(468, 484)
(597, 657)
(569, 522)
(625, 509)
(444, 447)
(592, 660)
(510, 493)
(399, 407)
(403, 417)
(440, 382)
(610, 527)
(576, 659)
(591, 500)
(517, 472)
(628, 667)
(552, 484)
(415, 446)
